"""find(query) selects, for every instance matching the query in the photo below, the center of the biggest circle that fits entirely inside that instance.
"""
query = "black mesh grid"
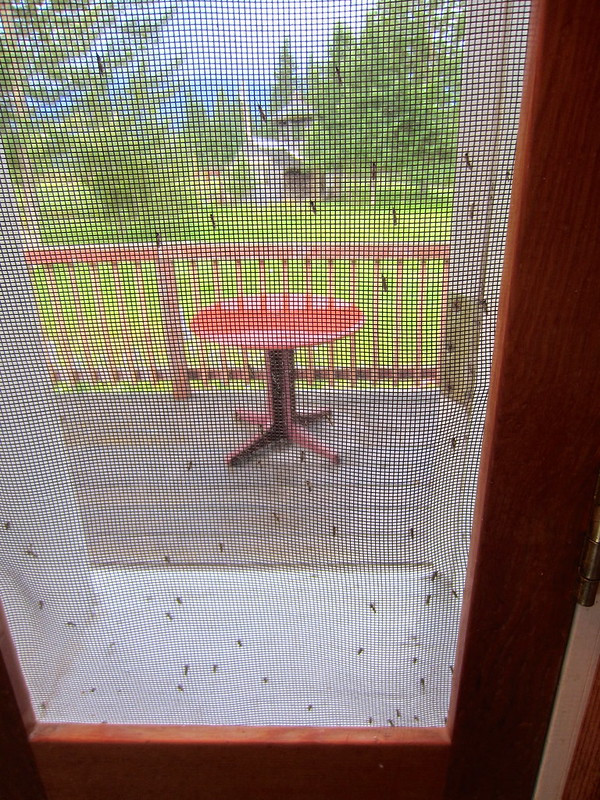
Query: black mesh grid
(228, 222)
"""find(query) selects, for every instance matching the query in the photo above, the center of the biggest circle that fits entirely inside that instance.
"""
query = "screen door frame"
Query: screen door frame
(537, 478)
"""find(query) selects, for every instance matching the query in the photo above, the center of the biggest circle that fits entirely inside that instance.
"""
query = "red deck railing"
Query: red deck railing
(119, 312)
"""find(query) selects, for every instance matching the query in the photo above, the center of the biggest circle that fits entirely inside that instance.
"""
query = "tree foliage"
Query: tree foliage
(61, 66)
(388, 100)
(211, 141)
(115, 140)
(286, 79)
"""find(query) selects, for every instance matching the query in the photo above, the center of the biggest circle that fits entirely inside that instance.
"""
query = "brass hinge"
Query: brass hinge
(589, 567)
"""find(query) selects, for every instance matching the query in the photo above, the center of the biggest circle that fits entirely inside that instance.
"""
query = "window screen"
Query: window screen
(251, 255)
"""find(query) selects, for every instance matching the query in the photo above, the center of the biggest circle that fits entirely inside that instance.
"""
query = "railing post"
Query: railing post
(169, 307)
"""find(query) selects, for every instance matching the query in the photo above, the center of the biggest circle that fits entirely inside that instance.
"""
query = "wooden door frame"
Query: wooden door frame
(537, 477)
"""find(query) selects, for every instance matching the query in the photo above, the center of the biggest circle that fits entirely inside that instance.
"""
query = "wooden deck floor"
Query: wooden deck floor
(154, 489)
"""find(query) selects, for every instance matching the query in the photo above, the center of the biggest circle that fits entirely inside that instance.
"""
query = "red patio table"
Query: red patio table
(278, 324)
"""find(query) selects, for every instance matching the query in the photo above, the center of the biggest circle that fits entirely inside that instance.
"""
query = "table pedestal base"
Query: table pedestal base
(282, 421)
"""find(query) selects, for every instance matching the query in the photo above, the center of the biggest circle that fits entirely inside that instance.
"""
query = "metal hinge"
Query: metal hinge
(589, 566)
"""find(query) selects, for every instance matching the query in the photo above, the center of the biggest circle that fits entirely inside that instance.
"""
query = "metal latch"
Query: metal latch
(589, 567)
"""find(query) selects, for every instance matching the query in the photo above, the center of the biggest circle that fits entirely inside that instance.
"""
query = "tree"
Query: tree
(116, 138)
(286, 79)
(212, 143)
(331, 94)
(42, 48)
(389, 102)
(212, 140)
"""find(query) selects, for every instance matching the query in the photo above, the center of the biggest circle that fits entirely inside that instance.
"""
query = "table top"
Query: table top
(277, 321)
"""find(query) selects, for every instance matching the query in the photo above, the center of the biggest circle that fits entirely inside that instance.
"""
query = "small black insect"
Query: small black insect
(179, 687)
(416, 719)
(398, 714)
(186, 669)
(309, 708)
(415, 659)
(471, 210)
(221, 547)
(277, 517)
(214, 668)
(302, 455)
(484, 304)
(167, 559)
(435, 574)
(373, 170)
(370, 720)
(309, 485)
(313, 206)
(41, 604)
(265, 680)
(158, 240)
(412, 533)
(71, 624)
(391, 723)
(189, 465)
(384, 284)
(455, 594)
(101, 68)
(262, 113)
(168, 615)
(239, 642)
(360, 650)
(333, 530)
(451, 669)
(453, 443)
(468, 161)
(395, 216)
(427, 599)
(31, 552)
(423, 684)
(179, 600)
(6, 525)
(372, 607)
(339, 76)
(212, 219)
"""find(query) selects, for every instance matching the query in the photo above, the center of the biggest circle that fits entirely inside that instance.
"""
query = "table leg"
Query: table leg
(282, 419)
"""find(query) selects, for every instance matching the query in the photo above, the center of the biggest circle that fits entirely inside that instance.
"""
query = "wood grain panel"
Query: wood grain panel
(541, 450)
(19, 779)
(193, 763)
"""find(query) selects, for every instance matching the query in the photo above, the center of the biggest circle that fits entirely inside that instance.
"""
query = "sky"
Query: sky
(225, 41)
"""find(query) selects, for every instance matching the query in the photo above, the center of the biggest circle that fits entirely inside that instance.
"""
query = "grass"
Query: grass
(69, 217)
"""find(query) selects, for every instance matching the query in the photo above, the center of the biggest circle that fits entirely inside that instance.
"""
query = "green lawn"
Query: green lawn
(70, 215)
(68, 219)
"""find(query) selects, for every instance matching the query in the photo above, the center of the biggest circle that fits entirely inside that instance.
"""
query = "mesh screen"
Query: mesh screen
(251, 255)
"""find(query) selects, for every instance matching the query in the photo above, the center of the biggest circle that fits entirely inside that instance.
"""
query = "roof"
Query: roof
(274, 145)
(297, 110)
